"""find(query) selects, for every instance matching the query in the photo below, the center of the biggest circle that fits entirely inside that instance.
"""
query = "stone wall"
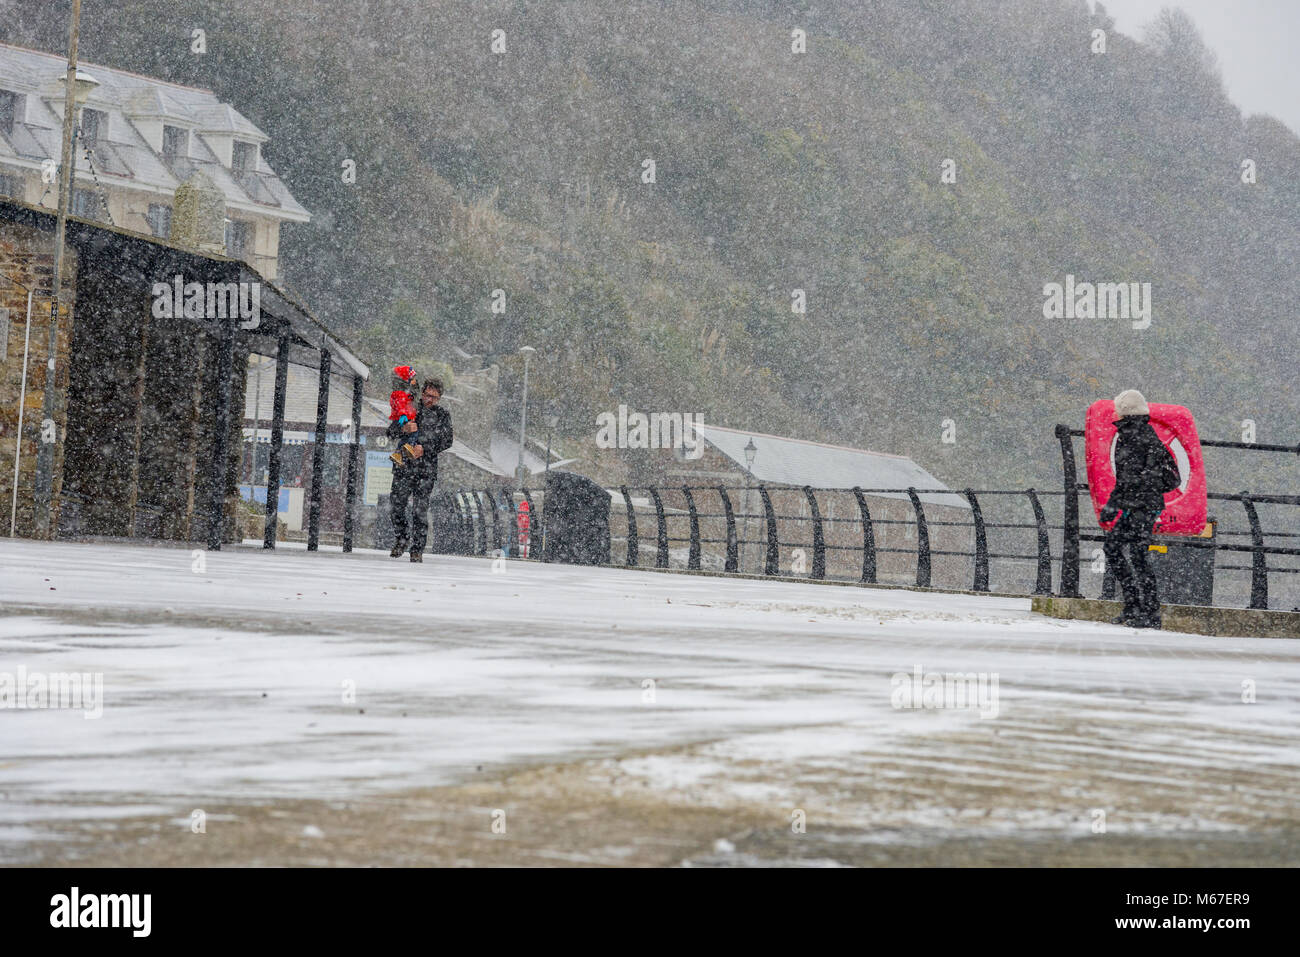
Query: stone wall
(27, 258)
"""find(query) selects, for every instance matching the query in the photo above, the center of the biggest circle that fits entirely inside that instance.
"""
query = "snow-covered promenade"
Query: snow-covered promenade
(240, 679)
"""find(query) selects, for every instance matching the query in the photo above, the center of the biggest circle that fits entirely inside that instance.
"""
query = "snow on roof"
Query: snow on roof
(785, 461)
(123, 152)
(505, 453)
(477, 459)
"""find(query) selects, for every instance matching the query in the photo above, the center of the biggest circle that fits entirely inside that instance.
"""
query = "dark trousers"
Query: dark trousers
(1126, 555)
(411, 483)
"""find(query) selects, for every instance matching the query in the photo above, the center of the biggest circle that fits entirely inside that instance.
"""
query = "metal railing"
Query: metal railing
(481, 521)
(672, 528)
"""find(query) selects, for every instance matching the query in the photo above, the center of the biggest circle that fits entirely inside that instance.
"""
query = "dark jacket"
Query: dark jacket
(432, 432)
(1140, 466)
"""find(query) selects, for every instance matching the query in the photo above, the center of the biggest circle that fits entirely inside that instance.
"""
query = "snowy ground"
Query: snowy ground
(525, 691)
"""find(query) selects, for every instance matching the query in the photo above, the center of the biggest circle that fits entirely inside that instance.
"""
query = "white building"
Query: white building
(140, 138)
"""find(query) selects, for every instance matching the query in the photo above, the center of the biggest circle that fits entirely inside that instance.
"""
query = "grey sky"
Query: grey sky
(1253, 39)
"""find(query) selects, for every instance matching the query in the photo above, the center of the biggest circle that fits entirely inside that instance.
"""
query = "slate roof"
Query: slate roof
(786, 461)
(124, 156)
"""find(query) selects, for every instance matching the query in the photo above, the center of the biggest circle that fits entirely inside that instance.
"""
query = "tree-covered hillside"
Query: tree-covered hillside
(774, 171)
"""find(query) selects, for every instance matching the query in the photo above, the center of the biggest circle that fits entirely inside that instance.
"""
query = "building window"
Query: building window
(160, 220)
(94, 125)
(239, 236)
(243, 159)
(87, 204)
(11, 110)
(175, 143)
(11, 186)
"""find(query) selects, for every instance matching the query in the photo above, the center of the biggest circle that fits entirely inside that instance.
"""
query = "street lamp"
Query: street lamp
(527, 353)
(76, 85)
(751, 450)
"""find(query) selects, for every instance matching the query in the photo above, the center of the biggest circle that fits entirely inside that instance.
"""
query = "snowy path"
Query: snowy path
(228, 684)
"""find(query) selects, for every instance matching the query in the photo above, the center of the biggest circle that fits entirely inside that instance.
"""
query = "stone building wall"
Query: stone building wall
(27, 258)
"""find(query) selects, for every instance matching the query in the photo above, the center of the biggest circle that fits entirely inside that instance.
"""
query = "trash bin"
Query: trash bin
(1184, 569)
(575, 520)
(383, 529)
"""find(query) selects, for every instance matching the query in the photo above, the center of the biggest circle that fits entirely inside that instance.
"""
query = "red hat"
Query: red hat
(405, 373)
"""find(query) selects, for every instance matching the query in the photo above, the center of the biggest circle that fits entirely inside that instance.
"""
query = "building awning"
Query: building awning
(148, 260)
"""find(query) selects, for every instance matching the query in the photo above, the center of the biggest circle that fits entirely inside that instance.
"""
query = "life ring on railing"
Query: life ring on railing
(1186, 507)
(525, 521)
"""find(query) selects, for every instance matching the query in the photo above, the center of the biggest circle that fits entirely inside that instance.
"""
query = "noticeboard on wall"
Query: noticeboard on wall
(379, 476)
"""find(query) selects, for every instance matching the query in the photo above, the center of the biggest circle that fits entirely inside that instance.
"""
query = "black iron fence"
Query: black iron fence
(1016, 541)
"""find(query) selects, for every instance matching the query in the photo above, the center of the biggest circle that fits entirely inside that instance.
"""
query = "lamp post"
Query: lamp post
(75, 83)
(22, 402)
(527, 353)
(551, 421)
(751, 450)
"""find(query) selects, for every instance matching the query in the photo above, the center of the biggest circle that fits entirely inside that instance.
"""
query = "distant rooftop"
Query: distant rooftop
(785, 461)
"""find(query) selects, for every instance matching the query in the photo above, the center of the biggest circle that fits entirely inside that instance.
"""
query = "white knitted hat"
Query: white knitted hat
(1131, 402)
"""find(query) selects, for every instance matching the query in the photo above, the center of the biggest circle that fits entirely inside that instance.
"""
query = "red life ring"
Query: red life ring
(525, 525)
(1186, 507)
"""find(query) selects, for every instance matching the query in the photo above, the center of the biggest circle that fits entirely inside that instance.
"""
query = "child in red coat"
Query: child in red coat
(402, 408)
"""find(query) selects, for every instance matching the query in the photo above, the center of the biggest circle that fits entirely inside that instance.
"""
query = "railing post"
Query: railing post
(922, 542)
(661, 551)
(480, 537)
(458, 514)
(1070, 535)
(467, 517)
(693, 559)
(277, 444)
(442, 500)
(981, 544)
(318, 453)
(733, 550)
(221, 439)
(819, 539)
(510, 541)
(868, 539)
(1258, 566)
(772, 566)
(354, 452)
(633, 542)
(496, 520)
(1043, 585)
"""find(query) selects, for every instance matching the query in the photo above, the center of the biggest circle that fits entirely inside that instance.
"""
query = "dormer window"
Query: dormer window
(11, 110)
(94, 125)
(175, 143)
(243, 158)
(239, 236)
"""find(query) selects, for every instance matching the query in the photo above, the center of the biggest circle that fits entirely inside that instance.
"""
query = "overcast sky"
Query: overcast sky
(1255, 41)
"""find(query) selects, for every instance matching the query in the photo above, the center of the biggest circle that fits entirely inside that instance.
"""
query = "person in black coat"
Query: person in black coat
(429, 435)
(1144, 470)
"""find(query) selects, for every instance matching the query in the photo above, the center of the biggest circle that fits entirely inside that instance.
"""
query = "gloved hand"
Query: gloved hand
(1109, 513)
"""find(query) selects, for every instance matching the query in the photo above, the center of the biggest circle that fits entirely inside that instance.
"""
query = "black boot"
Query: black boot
(417, 556)
(399, 546)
